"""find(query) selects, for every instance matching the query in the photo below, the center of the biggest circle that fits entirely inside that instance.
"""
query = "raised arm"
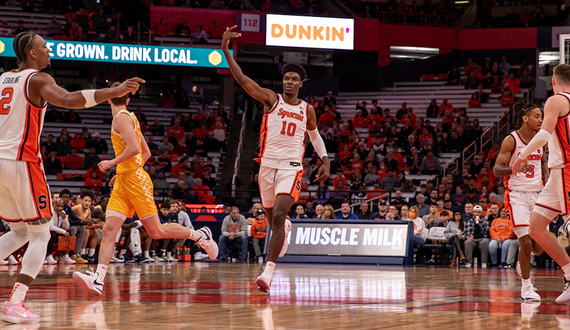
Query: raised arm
(43, 88)
(507, 147)
(266, 96)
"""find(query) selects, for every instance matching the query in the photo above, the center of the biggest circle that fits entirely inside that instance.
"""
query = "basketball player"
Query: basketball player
(554, 197)
(286, 119)
(133, 192)
(523, 189)
(25, 199)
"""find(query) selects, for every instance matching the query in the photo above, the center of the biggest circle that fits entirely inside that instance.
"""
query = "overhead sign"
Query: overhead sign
(250, 22)
(309, 32)
(123, 53)
(348, 239)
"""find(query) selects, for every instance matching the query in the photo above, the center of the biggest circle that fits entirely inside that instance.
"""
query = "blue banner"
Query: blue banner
(127, 53)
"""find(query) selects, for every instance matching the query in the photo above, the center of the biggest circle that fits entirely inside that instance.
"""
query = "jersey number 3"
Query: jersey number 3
(5, 100)
(530, 173)
(288, 129)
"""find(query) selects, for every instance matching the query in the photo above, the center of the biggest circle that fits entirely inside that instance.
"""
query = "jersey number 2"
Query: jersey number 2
(5, 100)
(530, 173)
(289, 130)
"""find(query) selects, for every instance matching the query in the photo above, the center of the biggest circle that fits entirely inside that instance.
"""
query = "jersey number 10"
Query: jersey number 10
(289, 130)
(5, 100)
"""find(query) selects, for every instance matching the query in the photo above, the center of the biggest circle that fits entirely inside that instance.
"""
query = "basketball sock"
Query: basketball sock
(566, 270)
(122, 253)
(525, 283)
(168, 254)
(146, 254)
(194, 234)
(82, 252)
(269, 268)
(102, 271)
(19, 293)
(162, 253)
(91, 252)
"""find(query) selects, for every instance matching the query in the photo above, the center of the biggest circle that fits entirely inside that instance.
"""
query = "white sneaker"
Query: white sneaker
(50, 260)
(263, 283)
(563, 235)
(157, 258)
(260, 260)
(484, 265)
(207, 243)
(89, 281)
(66, 260)
(285, 244)
(565, 295)
(3, 262)
(12, 260)
(468, 265)
(518, 268)
(171, 259)
(200, 256)
(119, 260)
(148, 259)
(529, 294)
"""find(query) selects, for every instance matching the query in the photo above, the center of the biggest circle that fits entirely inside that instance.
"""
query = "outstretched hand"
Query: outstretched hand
(129, 86)
(229, 34)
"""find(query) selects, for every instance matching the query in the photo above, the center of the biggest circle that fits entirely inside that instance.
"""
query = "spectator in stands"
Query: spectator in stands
(345, 212)
(282, 7)
(453, 77)
(75, 33)
(54, 27)
(78, 142)
(445, 106)
(64, 148)
(53, 165)
(129, 36)
(99, 144)
(433, 109)
(203, 193)
(93, 182)
(363, 211)
(389, 182)
(58, 227)
(507, 100)
(176, 130)
(20, 28)
(472, 82)
(454, 235)
(328, 213)
(474, 101)
(299, 212)
(100, 20)
(399, 201)
(4, 30)
(258, 233)
(91, 158)
(430, 164)
(402, 111)
(476, 234)
(358, 121)
(183, 29)
(157, 129)
(71, 117)
(111, 35)
(526, 81)
(167, 99)
(200, 36)
(323, 194)
(216, 31)
(420, 204)
(234, 227)
(501, 237)
(504, 66)
(267, 6)
(181, 148)
(455, 144)
(73, 161)
(165, 146)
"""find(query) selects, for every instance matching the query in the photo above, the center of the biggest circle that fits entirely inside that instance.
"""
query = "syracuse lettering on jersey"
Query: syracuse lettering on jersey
(534, 157)
(288, 114)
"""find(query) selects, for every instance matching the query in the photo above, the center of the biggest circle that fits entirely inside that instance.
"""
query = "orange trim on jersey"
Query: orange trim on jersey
(40, 190)
(296, 187)
(566, 190)
(564, 145)
(300, 101)
(567, 96)
(520, 138)
(547, 207)
(26, 92)
(29, 146)
(17, 220)
(263, 135)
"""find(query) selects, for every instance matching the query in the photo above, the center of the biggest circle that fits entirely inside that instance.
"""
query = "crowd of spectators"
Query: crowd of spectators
(522, 13)
(408, 12)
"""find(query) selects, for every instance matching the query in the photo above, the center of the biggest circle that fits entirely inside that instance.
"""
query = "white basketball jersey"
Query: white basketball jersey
(559, 144)
(529, 181)
(282, 135)
(21, 122)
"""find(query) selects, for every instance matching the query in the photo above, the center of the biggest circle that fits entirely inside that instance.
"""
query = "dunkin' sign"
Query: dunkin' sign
(309, 32)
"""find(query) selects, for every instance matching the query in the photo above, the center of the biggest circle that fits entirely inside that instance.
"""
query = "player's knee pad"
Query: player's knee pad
(39, 236)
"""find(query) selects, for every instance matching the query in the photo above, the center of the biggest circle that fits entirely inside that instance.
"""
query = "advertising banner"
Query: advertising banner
(309, 32)
(127, 53)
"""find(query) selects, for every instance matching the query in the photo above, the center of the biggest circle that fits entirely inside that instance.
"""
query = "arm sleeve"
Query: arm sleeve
(318, 143)
(540, 139)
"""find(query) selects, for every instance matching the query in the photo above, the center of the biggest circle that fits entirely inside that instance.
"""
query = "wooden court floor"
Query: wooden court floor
(222, 296)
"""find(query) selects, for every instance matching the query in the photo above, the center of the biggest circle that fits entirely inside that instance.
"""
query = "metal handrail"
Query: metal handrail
(239, 149)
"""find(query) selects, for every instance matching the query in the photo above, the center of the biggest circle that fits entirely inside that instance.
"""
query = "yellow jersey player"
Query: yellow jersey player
(133, 192)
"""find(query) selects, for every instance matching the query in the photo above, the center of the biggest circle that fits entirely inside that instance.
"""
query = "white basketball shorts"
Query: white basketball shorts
(519, 205)
(273, 182)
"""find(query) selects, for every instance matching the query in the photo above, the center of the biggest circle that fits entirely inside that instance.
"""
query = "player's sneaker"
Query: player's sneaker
(66, 260)
(4, 262)
(285, 244)
(563, 235)
(116, 260)
(18, 313)
(50, 260)
(89, 281)
(468, 265)
(263, 283)
(171, 259)
(12, 260)
(518, 268)
(200, 256)
(157, 258)
(207, 243)
(78, 260)
(146, 259)
(529, 294)
(565, 295)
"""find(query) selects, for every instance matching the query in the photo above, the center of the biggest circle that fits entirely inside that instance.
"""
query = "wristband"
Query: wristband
(89, 95)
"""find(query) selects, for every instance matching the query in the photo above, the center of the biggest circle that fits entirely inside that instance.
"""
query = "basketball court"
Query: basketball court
(223, 296)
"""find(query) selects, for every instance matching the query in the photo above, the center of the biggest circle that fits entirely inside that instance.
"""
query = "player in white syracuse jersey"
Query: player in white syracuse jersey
(554, 199)
(523, 189)
(285, 121)
(25, 200)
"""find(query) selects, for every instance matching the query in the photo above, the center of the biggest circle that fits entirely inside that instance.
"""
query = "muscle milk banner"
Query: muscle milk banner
(330, 239)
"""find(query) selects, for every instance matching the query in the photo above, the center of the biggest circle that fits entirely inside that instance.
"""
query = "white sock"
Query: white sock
(91, 252)
(19, 293)
(566, 270)
(82, 252)
(162, 253)
(169, 254)
(102, 271)
(194, 234)
(122, 253)
(146, 254)
(525, 283)
(269, 268)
